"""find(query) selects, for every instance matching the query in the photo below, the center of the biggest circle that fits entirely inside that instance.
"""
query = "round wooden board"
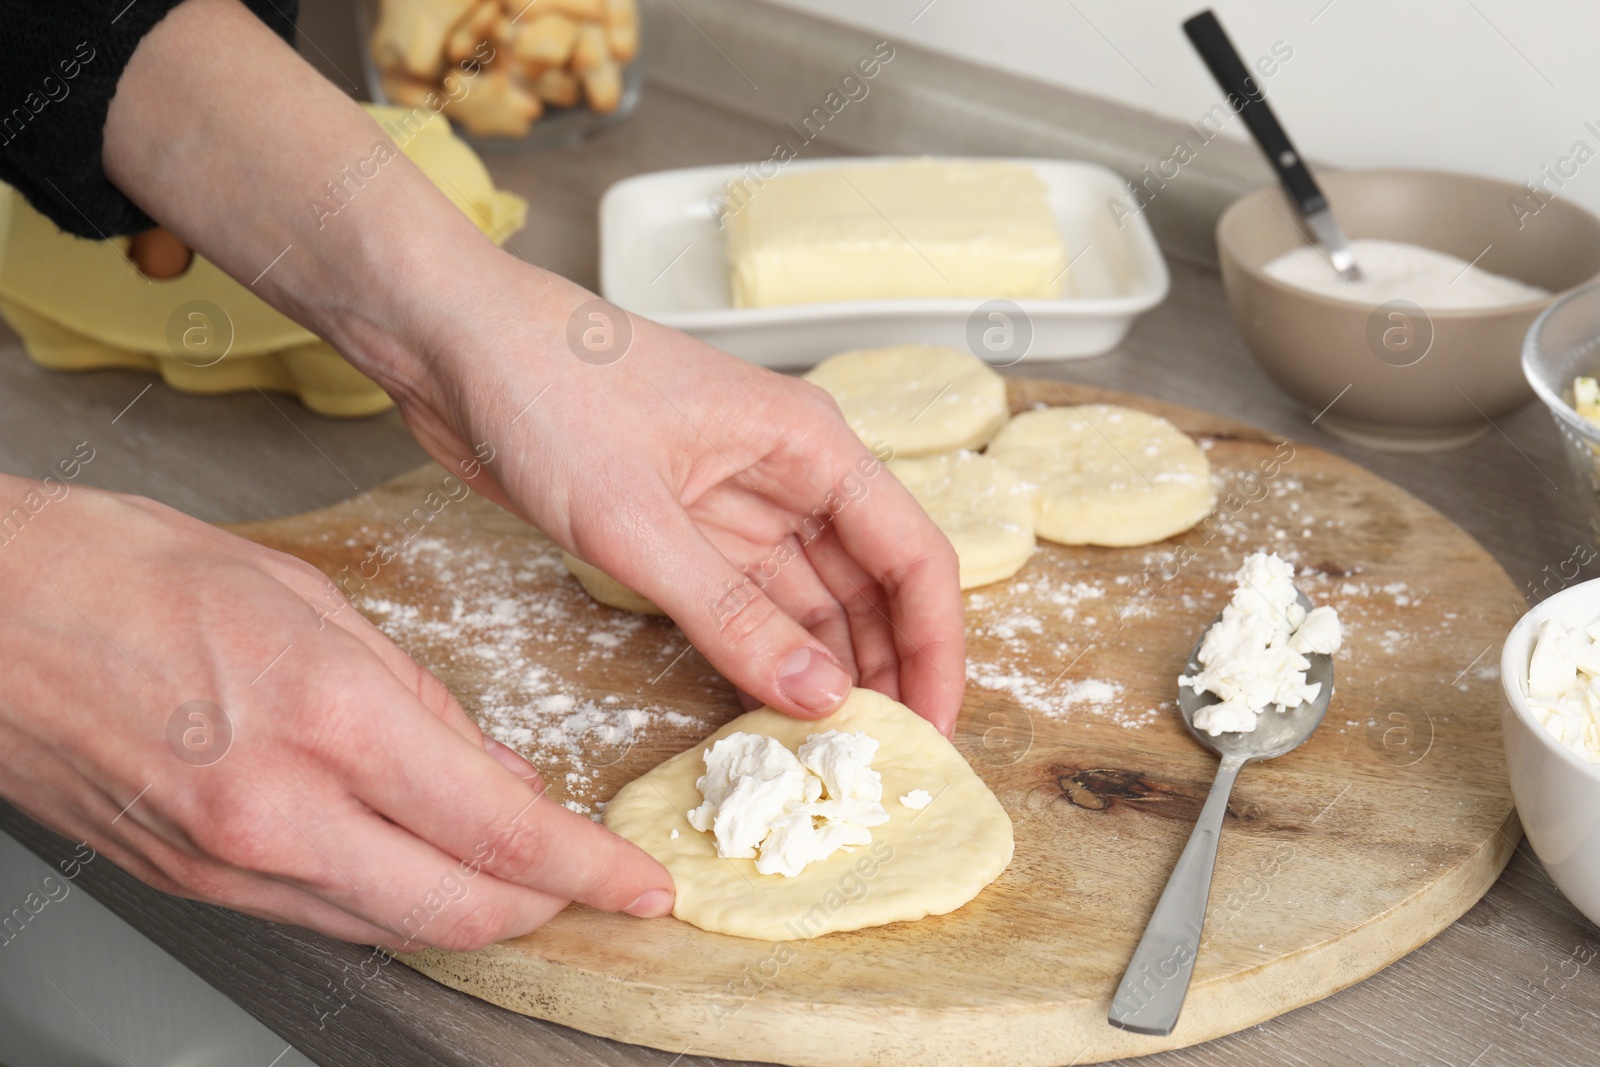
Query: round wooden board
(1335, 860)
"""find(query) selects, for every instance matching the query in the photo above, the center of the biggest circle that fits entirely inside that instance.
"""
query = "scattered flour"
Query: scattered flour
(495, 640)
(1014, 627)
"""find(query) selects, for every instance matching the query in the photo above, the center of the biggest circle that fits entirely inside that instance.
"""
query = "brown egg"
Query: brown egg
(159, 254)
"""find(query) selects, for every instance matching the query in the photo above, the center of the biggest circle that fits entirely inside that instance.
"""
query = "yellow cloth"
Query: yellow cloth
(81, 305)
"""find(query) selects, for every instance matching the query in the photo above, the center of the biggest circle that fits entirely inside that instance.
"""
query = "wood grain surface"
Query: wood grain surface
(1335, 860)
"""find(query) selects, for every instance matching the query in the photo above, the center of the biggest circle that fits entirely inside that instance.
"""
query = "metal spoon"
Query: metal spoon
(1151, 994)
(1247, 98)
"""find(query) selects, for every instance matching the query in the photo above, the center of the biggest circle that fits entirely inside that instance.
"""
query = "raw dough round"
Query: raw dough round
(917, 399)
(606, 589)
(1107, 475)
(983, 508)
(920, 863)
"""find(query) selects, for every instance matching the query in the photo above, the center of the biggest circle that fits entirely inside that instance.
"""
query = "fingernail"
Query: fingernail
(509, 758)
(813, 681)
(652, 905)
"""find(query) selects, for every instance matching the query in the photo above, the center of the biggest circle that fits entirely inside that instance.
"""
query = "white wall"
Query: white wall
(1492, 87)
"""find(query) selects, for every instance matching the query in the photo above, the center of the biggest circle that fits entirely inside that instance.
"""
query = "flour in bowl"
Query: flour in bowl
(1394, 270)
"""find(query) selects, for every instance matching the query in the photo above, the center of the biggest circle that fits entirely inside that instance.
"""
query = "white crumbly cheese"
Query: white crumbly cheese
(1254, 657)
(674, 833)
(784, 810)
(917, 799)
(748, 783)
(1563, 687)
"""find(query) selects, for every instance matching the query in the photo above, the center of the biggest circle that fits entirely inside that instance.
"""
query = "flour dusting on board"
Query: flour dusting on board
(1049, 640)
(500, 627)
(1014, 626)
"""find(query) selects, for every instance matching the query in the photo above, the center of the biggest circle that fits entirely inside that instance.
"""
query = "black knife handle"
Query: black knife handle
(1246, 97)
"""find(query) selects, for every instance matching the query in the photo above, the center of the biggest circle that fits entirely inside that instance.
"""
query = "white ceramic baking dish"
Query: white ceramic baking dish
(662, 256)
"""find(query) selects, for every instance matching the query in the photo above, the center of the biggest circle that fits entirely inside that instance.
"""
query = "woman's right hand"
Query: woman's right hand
(356, 797)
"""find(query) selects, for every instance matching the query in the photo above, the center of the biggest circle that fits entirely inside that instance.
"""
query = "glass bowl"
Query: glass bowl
(487, 61)
(1562, 344)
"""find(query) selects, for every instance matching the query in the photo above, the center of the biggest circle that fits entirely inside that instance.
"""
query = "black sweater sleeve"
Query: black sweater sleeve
(59, 65)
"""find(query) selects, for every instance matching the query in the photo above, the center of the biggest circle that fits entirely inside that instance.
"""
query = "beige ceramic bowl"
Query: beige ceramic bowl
(1405, 379)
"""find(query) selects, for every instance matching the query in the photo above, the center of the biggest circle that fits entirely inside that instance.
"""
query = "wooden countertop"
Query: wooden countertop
(1499, 985)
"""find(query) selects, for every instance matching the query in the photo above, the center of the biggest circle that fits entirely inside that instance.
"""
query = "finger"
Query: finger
(747, 637)
(453, 795)
(866, 607)
(895, 542)
(423, 683)
(177, 870)
(328, 846)
(422, 896)
(799, 590)
(509, 758)
(334, 610)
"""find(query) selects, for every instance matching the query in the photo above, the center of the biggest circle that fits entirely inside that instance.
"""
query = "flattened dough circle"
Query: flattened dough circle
(919, 863)
(606, 589)
(981, 506)
(917, 399)
(1107, 475)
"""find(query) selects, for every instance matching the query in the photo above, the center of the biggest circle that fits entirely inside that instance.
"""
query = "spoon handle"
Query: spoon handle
(1151, 994)
(1247, 97)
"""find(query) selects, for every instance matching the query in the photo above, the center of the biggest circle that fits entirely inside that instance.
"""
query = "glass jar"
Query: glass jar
(537, 74)
(1563, 345)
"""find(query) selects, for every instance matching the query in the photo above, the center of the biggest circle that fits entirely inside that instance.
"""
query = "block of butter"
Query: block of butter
(921, 228)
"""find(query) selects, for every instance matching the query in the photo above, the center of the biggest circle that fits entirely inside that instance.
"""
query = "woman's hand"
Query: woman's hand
(735, 498)
(684, 473)
(212, 717)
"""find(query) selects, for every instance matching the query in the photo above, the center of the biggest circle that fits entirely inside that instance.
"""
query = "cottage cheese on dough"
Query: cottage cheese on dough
(919, 863)
(783, 809)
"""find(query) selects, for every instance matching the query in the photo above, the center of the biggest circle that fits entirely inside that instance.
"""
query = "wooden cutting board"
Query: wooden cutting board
(1335, 860)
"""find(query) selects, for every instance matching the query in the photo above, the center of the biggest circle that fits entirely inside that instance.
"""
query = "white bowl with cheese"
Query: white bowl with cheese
(664, 255)
(1557, 790)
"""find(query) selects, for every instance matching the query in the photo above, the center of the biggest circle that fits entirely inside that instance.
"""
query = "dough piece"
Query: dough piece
(495, 106)
(622, 29)
(546, 39)
(602, 87)
(919, 863)
(590, 48)
(475, 28)
(606, 589)
(558, 87)
(983, 508)
(1107, 475)
(917, 399)
(410, 34)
